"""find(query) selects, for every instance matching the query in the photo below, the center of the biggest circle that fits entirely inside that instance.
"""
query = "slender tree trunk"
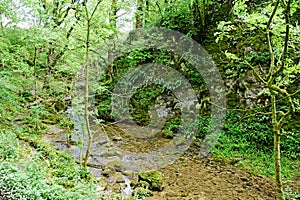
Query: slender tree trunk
(35, 72)
(1, 23)
(147, 11)
(277, 163)
(86, 67)
(139, 17)
(113, 23)
(48, 67)
(86, 110)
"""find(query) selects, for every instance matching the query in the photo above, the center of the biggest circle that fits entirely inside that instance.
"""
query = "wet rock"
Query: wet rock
(143, 184)
(116, 165)
(102, 184)
(116, 188)
(53, 129)
(171, 193)
(110, 153)
(129, 174)
(117, 138)
(133, 182)
(107, 172)
(120, 180)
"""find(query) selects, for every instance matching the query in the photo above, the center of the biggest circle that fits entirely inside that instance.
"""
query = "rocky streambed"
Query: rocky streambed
(188, 177)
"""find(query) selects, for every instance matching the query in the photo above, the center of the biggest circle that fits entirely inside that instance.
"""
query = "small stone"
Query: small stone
(100, 188)
(171, 194)
(116, 188)
(129, 174)
(53, 129)
(244, 179)
(143, 184)
(249, 184)
(133, 182)
(117, 138)
(102, 184)
(108, 172)
(120, 180)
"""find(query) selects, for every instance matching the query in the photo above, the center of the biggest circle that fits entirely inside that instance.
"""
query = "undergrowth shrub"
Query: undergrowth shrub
(19, 184)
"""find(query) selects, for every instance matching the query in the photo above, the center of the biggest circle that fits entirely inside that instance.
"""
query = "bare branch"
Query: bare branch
(270, 75)
(95, 9)
(255, 72)
(287, 32)
(272, 15)
(255, 114)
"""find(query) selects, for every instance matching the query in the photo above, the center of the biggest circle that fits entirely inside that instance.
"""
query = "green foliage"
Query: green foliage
(251, 141)
(144, 97)
(16, 183)
(8, 146)
(291, 144)
(26, 175)
(38, 64)
(167, 134)
(141, 194)
(243, 154)
(291, 195)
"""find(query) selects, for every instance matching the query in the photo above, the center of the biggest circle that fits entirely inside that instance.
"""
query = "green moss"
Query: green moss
(143, 184)
(167, 134)
(142, 192)
(153, 177)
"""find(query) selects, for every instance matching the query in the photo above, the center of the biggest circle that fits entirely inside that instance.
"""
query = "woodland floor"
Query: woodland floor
(212, 179)
(192, 178)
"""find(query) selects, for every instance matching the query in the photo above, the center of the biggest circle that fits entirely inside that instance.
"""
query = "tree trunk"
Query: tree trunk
(110, 53)
(139, 17)
(87, 51)
(276, 133)
(86, 110)
(277, 164)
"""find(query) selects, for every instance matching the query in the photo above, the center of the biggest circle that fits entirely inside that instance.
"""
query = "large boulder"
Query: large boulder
(153, 177)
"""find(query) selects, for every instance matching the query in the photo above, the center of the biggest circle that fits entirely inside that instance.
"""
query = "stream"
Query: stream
(116, 145)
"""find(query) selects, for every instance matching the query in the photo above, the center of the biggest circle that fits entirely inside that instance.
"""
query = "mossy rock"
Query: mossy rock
(142, 192)
(143, 184)
(167, 134)
(116, 165)
(153, 177)
(108, 172)
(116, 188)
(51, 118)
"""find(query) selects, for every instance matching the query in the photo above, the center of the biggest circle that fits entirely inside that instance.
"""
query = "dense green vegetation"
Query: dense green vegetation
(256, 52)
